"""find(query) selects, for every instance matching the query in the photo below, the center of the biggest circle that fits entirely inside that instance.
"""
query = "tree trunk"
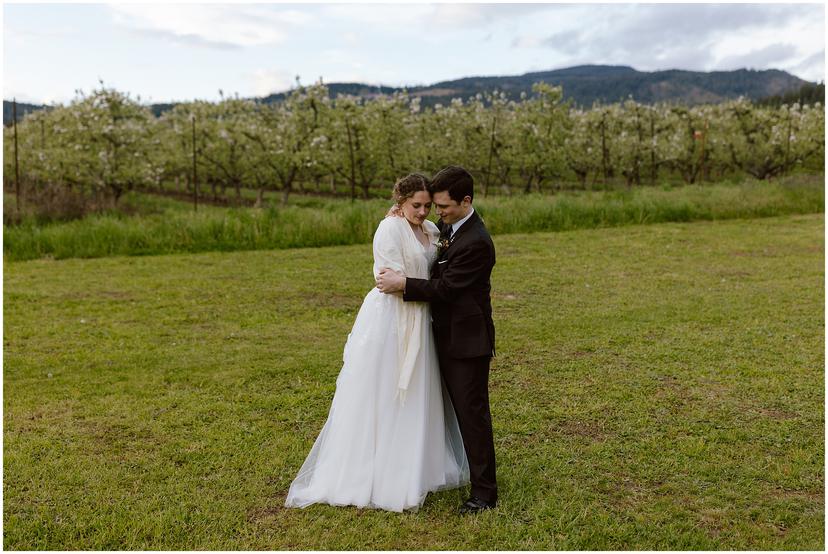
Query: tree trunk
(287, 185)
(528, 186)
(351, 159)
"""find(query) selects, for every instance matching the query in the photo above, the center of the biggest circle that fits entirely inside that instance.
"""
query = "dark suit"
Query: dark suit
(461, 310)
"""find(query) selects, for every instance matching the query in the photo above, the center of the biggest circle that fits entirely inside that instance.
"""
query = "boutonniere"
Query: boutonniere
(442, 245)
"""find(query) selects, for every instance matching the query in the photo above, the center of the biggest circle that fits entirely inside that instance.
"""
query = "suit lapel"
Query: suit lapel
(471, 221)
(463, 228)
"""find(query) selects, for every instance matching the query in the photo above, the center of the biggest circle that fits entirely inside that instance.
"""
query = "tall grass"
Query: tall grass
(567, 211)
(311, 222)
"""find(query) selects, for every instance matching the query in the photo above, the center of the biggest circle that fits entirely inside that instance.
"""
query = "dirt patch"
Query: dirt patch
(816, 497)
(577, 428)
(777, 413)
(333, 300)
(713, 522)
(733, 274)
(668, 384)
(98, 295)
(48, 416)
(120, 435)
(269, 512)
(779, 251)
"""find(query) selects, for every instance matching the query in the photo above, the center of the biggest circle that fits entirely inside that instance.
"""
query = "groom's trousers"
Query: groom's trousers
(467, 382)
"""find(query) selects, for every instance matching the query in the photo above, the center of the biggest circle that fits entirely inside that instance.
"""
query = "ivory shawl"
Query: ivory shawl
(396, 247)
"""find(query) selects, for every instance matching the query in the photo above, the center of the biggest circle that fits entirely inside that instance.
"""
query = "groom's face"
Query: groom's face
(450, 211)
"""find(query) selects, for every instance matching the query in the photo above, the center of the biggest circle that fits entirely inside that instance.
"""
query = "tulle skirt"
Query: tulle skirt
(375, 451)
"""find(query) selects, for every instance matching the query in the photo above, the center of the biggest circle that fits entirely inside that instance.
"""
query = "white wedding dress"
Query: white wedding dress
(391, 436)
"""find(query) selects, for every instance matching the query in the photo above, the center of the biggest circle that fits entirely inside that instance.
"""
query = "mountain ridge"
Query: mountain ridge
(584, 85)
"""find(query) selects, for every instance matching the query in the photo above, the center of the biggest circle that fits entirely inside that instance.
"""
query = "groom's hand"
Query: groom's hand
(390, 281)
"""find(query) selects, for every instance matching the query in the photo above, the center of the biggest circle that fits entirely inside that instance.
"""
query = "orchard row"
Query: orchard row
(110, 142)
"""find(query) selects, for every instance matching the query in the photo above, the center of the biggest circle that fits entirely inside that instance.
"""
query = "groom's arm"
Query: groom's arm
(390, 281)
(461, 272)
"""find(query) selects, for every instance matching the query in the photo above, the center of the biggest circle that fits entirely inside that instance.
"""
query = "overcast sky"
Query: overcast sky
(188, 51)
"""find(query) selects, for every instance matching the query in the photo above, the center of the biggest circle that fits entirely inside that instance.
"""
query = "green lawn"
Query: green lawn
(656, 387)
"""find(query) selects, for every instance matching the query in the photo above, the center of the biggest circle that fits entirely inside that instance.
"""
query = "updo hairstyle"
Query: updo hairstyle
(405, 188)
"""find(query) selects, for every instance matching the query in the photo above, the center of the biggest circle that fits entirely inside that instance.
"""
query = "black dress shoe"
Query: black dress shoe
(474, 505)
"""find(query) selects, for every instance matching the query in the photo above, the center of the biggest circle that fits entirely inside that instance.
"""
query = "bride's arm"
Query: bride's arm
(388, 247)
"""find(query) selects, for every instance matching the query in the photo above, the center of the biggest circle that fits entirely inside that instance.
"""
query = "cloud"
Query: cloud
(212, 25)
(269, 81)
(665, 36)
(20, 36)
(45, 99)
(404, 16)
(25, 98)
(760, 57)
(413, 19)
(482, 15)
(687, 24)
(391, 43)
(191, 39)
(568, 42)
(811, 68)
(350, 37)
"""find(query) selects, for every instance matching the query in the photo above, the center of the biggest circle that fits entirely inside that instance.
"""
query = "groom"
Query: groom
(461, 312)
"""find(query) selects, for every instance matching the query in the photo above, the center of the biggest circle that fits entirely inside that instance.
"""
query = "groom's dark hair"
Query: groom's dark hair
(456, 180)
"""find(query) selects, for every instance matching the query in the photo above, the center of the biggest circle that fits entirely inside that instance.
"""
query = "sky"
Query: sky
(180, 52)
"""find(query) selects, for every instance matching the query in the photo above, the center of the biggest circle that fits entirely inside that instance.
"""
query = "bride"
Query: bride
(391, 436)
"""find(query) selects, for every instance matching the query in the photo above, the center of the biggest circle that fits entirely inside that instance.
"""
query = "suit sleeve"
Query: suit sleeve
(462, 272)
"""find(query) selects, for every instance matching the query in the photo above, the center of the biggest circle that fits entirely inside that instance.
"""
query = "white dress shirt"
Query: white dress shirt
(456, 225)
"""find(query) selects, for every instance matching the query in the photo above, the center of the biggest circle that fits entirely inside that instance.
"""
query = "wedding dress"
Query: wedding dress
(391, 436)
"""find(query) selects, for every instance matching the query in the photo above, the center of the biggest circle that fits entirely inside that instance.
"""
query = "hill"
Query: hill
(22, 109)
(587, 84)
(584, 85)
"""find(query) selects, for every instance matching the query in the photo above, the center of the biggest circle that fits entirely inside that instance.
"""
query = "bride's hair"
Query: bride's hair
(405, 188)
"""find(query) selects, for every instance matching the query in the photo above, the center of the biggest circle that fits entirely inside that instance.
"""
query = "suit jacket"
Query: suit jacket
(459, 292)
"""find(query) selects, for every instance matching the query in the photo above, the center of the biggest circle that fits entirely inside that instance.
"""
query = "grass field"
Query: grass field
(656, 387)
(165, 226)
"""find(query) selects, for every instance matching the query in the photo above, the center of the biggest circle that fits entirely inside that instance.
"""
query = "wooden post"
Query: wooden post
(491, 153)
(604, 152)
(16, 170)
(788, 142)
(652, 149)
(351, 157)
(195, 173)
(701, 154)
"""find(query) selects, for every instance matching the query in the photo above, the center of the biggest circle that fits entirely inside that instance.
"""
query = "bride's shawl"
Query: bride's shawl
(396, 247)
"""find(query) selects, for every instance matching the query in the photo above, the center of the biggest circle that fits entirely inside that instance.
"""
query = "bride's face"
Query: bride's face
(416, 208)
